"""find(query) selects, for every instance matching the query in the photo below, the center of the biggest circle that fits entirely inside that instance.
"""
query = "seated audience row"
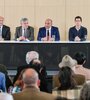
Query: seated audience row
(31, 88)
(47, 33)
(31, 79)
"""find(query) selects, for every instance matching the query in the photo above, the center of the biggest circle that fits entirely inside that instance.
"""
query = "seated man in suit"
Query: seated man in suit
(78, 32)
(49, 32)
(5, 33)
(31, 88)
(24, 32)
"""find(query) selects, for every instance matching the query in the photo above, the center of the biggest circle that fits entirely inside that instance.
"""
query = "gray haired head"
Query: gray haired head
(31, 56)
(23, 20)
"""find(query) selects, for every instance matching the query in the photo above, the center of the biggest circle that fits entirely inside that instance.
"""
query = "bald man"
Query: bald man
(48, 32)
(31, 88)
(5, 33)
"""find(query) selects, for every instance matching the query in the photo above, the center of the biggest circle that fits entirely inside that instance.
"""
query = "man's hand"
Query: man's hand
(77, 39)
(51, 39)
(44, 39)
(22, 38)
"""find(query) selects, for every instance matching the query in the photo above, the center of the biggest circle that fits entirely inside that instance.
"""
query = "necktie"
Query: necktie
(24, 32)
(47, 35)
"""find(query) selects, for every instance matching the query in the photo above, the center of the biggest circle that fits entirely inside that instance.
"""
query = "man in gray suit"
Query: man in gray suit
(31, 88)
(24, 32)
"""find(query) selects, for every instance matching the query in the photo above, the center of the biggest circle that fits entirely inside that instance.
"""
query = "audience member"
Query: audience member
(3, 69)
(2, 82)
(66, 78)
(79, 68)
(68, 61)
(33, 62)
(31, 90)
(18, 85)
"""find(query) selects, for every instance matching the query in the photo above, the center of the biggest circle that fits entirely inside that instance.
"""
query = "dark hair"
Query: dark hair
(66, 78)
(80, 57)
(85, 92)
(78, 17)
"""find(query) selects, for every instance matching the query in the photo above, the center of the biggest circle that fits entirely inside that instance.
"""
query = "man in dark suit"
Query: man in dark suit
(5, 33)
(31, 88)
(24, 32)
(78, 32)
(49, 32)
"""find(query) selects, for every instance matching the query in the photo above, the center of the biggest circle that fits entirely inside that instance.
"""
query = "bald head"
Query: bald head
(4, 96)
(30, 77)
(48, 23)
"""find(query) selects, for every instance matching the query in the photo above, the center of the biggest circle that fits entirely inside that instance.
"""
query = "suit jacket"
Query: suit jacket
(32, 93)
(54, 31)
(29, 33)
(6, 34)
(81, 33)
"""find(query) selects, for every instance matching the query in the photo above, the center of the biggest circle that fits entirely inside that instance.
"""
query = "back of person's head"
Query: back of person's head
(5, 96)
(68, 61)
(30, 77)
(85, 92)
(66, 78)
(80, 58)
(31, 56)
(37, 65)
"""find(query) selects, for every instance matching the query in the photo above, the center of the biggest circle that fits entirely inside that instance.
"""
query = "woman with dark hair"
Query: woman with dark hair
(68, 87)
(66, 78)
(80, 57)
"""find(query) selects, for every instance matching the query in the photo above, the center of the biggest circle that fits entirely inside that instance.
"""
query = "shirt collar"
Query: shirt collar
(49, 29)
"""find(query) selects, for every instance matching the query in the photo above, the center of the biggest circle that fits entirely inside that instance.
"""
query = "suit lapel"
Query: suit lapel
(27, 32)
(44, 32)
(20, 33)
(52, 31)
